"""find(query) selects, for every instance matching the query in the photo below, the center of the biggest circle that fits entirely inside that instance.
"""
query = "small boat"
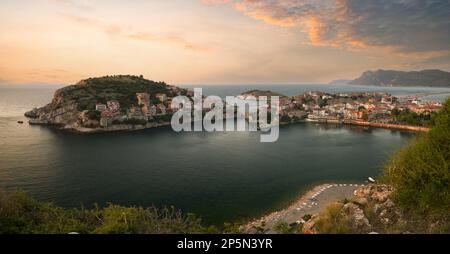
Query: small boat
(21, 122)
(371, 179)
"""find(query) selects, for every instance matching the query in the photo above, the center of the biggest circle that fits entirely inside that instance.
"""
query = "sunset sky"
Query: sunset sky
(219, 41)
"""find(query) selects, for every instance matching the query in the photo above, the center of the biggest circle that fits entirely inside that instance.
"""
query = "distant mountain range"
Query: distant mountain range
(434, 78)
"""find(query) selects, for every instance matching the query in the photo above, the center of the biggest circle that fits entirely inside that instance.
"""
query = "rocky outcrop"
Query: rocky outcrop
(59, 112)
(355, 216)
(371, 210)
(373, 192)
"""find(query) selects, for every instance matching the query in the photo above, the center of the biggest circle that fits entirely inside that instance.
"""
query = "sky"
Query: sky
(219, 41)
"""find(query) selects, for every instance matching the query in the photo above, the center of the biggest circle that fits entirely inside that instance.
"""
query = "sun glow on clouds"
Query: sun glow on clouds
(363, 23)
(219, 41)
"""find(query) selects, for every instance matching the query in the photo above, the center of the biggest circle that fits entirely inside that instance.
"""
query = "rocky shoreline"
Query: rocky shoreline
(309, 203)
(85, 130)
(389, 126)
(150, 125)
(117, 128)
(357, 208)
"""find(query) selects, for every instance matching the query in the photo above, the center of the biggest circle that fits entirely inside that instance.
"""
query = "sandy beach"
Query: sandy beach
(312, 202)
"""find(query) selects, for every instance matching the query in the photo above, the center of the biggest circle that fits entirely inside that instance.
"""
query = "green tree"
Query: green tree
(420, 172)
(365, 117)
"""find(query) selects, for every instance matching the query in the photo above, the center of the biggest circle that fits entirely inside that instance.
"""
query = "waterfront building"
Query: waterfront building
(143, 99)
(100, 107)
(113, 105)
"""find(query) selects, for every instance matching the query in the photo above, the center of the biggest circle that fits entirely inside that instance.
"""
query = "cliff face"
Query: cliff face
(434, 78)
(372, 210)
(59, 111)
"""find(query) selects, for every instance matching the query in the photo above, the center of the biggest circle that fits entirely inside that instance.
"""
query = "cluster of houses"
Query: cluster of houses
(147, 109)
(340, 107)
(310, 106)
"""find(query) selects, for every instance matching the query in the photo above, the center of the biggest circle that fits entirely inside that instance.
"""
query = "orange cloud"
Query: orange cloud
(391, 25)
(261, 14)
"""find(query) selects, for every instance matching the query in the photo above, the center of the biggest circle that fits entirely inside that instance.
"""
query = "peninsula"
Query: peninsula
(110, 103)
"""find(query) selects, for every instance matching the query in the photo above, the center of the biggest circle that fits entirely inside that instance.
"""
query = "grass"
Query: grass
(21, 214)
(331, 222)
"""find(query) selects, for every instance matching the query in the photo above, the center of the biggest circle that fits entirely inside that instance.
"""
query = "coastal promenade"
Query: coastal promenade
(388, 126)
(312, 202)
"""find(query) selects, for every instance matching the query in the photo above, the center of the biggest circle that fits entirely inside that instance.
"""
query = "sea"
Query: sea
(220, 177)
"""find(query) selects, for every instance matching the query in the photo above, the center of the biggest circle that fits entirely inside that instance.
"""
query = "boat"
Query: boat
(371, 179)
(21, 122)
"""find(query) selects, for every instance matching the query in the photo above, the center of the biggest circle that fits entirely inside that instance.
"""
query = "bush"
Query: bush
(420, 172)
(163, 118)
(20, 214)
(134, 121)
(307, 217)
(94, 114)
(282, 227)
(408, 117)
(331, 222)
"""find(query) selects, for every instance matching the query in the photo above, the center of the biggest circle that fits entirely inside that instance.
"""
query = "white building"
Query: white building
(100, 107)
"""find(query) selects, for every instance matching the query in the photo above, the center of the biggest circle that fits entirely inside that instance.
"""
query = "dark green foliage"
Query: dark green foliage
(20, 214)
(122, 88)
(307, 217)
(285, 119)
(283, 227)
(231, 228)
(420, 172)
(163, 118)
(133, 121)
(322, 103)
(93, 114)
(365, 117)
(411, 118)
(155, 100)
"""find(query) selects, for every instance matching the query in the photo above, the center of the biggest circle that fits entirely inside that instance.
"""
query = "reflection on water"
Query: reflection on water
(220, 176)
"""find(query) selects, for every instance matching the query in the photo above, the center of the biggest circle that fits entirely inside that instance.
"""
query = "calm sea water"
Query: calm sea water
(219, 176)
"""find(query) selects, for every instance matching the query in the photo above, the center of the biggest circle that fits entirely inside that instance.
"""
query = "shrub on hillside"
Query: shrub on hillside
(420, 172)
(20, 214)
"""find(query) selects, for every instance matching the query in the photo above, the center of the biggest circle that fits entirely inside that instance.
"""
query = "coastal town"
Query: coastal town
(375, 107)
(126, 102)
(155, 108)
(313, 106)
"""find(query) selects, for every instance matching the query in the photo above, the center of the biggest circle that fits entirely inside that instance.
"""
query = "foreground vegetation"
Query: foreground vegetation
(21, 214)
(420, 172)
